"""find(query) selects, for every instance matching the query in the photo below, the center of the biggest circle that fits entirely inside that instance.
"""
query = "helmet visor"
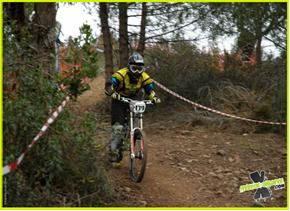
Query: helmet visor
(136, 68)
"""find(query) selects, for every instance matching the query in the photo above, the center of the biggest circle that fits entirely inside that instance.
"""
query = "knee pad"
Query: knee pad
(117, 132)
(117, 129)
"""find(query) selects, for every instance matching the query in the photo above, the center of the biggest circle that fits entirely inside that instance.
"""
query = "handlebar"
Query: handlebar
(128, 100)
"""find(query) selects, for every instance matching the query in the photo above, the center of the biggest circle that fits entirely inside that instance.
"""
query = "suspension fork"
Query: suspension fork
(132, 135)
(141, 127)
(141, 121)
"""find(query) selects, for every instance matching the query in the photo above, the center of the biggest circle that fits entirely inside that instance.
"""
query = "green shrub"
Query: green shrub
(240, 89)
(63, 168)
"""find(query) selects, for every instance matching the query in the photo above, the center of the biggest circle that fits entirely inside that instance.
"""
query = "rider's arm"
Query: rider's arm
(112, 85)
(148, 86)
(149, 89)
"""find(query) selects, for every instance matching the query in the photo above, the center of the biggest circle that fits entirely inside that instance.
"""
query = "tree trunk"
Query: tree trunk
(141, 45)
(16, 18)
(259, 51)
(259, 37)
(246, 44)
(123, 34)
(44, 33)
(107, 41)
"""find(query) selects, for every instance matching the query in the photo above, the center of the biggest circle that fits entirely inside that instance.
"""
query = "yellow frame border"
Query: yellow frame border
(141, 208)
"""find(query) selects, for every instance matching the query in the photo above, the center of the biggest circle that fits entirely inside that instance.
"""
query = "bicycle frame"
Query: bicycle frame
(138, 149)
(136, 108)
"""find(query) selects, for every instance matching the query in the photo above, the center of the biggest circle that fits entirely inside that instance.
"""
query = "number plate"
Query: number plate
(138, 107)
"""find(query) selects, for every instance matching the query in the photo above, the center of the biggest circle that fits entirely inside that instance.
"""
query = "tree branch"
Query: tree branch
(163, 13)
(158, 28)
(275, 43)
(178, 28)
(182, 40)
(130, 33)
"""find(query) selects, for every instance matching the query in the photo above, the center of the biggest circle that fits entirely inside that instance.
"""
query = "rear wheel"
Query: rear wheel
(137, 164)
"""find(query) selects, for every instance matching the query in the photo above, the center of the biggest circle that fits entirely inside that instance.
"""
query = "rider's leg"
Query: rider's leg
(118, 121)
(119, 112)
(117, 132)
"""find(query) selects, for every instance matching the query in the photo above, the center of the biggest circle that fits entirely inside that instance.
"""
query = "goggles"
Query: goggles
(136, 69)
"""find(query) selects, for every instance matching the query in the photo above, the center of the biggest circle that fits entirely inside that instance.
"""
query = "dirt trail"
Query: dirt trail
(89, 98)
(193, 166)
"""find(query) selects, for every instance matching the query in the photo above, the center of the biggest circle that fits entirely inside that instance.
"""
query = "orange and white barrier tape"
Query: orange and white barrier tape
(12, 166)
(213, 110)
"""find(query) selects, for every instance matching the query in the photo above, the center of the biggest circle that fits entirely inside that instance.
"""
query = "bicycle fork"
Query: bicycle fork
(132, 131)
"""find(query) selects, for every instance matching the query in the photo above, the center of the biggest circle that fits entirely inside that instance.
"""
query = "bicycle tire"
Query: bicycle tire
(137, 171)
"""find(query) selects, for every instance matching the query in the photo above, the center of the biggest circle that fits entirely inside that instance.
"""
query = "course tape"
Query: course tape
(13, 166)
(213, 110)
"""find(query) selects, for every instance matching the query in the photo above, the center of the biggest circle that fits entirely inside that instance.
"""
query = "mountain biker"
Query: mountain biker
(126, 82)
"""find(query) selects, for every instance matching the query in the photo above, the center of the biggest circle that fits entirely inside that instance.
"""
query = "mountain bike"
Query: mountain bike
(134, 132)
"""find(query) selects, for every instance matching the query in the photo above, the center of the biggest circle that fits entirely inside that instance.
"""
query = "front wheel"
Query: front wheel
(137, 164)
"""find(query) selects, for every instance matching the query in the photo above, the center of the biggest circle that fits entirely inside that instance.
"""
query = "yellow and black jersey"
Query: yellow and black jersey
(122, 84)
